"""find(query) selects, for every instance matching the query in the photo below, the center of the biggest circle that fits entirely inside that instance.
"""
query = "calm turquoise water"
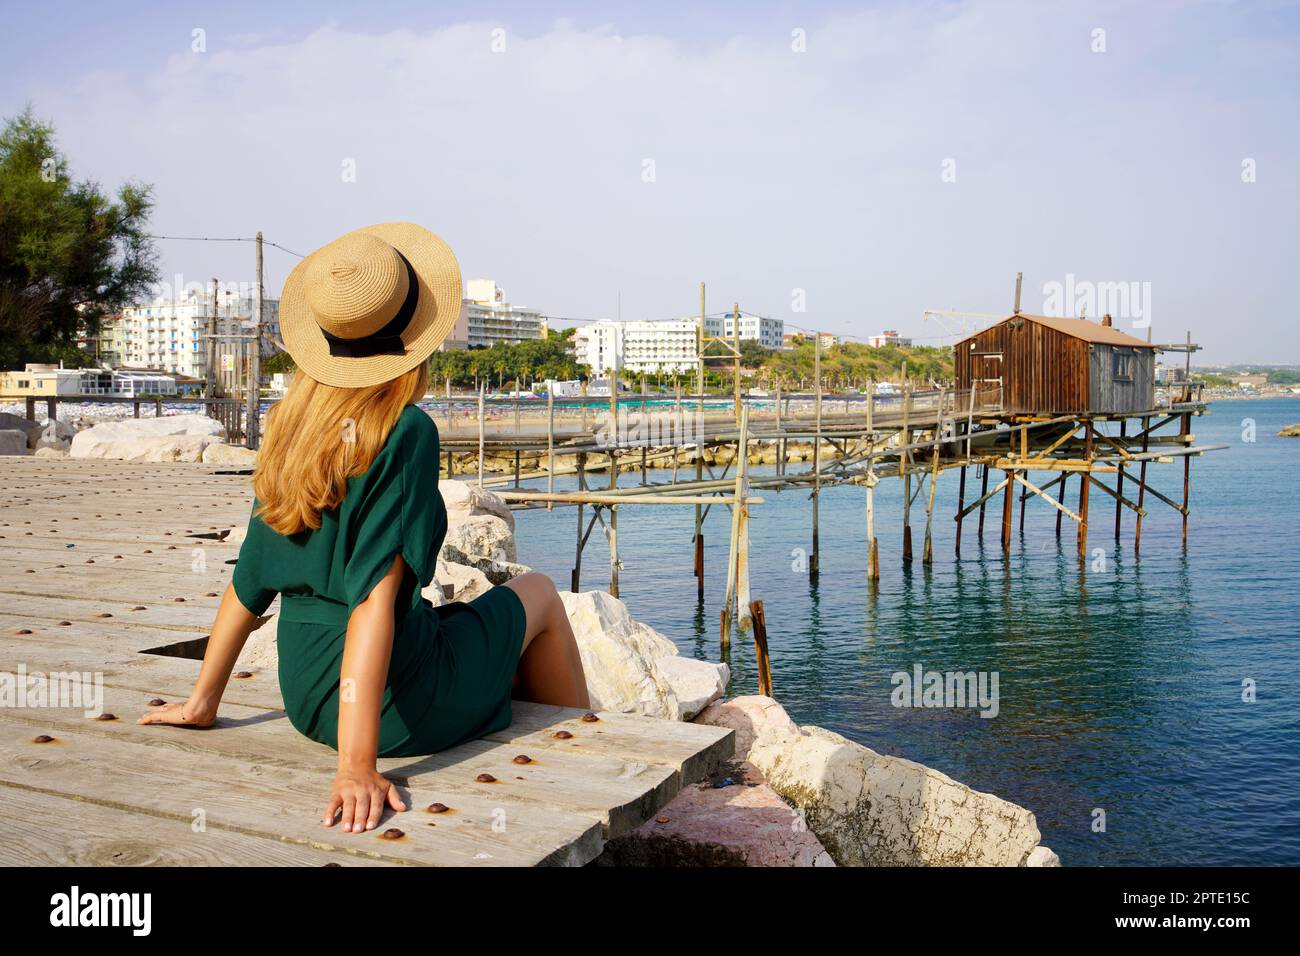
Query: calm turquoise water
(1120, 689)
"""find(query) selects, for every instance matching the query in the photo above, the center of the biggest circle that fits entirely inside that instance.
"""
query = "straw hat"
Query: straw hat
(370, 305)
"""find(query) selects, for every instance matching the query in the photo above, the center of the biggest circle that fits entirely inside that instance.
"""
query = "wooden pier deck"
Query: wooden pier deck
(101, 560)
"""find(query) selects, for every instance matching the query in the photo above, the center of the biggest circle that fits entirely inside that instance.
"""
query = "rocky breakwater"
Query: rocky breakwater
(169, 438)
(791, 796)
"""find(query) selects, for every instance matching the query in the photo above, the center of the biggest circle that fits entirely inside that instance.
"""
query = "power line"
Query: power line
(267, 242)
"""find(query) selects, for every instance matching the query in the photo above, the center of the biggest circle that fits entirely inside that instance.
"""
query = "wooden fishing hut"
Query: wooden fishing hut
(1041, 365)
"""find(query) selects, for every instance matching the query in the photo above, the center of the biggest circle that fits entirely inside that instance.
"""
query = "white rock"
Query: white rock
(13, 442)
(219, 453)
(261, 652)
(45, 451)
(1042, 856)
(484, 536)
(466, 582)
(695, 684)
(750, 716)
(465, 499)
(170, 438)
(619, 657)
(873, 810)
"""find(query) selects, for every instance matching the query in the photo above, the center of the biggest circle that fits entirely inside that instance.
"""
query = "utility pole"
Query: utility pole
(735, 345)
(210, 385)
(251, 428)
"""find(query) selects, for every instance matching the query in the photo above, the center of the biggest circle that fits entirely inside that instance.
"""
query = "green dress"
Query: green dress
(452, 666)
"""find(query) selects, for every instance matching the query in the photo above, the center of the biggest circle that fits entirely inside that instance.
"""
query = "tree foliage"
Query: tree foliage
(529, 361)
(68, 253)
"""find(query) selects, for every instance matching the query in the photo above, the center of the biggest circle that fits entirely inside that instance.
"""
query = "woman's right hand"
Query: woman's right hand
(360, 793)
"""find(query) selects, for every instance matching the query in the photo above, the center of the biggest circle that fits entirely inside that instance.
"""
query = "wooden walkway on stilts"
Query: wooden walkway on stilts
(102, 561)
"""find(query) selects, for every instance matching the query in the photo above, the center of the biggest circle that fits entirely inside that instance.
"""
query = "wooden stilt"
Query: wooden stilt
(1008, 505)
(760, 649)
(873, 555)
(1187, 474)
(1142, 484)
(984, 494)
(1084, 485)
(1061, 497)
(699, 566)
(961, 503)
(904, 459)
(1119, 486)
(575, 582)
(927, 550)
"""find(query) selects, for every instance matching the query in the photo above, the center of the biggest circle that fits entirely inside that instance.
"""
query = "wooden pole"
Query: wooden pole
(873, 553)
(1119, 485)
(737, 523)
(550, 444)
(927, 552)
(904, 458)
(1065, 478)
(253, 427)
(1084, 485)
(1142, 484)
(961, 503)
(481, 436)
(735, 345)
(760, 649)
(575, 583)
(1008, 505)
(1187, 459)
(814, 559)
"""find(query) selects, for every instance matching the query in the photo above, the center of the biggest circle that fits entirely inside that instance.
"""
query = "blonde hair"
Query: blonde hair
(317, 437)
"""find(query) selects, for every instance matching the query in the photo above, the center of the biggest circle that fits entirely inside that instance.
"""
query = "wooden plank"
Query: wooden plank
(98, 834)
(279, 801)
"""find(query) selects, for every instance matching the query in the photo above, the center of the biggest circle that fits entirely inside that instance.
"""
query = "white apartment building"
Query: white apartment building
(492, 319)
(599, 346)
(667, 347)
(769, 333)
(169, 335)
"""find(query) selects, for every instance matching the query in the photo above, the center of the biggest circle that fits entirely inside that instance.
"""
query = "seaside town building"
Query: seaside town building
(490, 319)
(169, 335)
(669, 346)
(49, 381)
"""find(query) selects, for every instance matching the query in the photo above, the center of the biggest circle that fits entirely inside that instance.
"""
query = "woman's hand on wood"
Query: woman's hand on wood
(360, 794)
(192, 713)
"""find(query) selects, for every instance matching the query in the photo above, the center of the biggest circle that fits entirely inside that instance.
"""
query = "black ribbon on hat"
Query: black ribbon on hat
(388, 339)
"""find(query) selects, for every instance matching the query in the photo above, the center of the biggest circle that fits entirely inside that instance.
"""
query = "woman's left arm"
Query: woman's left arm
(229, 633)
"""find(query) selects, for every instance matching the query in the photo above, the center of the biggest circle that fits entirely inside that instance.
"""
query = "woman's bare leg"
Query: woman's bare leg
(550, 667)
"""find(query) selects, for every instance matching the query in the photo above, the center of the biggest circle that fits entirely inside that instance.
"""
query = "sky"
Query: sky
(843, 167)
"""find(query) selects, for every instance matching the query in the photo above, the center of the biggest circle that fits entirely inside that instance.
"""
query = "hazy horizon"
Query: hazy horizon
(869, 162)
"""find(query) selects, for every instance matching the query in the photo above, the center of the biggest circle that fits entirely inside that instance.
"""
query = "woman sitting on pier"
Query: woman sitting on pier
(346, 526)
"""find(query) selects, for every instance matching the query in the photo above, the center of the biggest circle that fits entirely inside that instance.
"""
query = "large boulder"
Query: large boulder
(874, 810)
(466, 583)
(44, 451)
(750, 717)
(31, 430)
(619, 655)
(170, 438)
(734, 821)
(465, 499)
(482, 536)
(695, 684)
(219, 453)
(632, 668)
(13, 442)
